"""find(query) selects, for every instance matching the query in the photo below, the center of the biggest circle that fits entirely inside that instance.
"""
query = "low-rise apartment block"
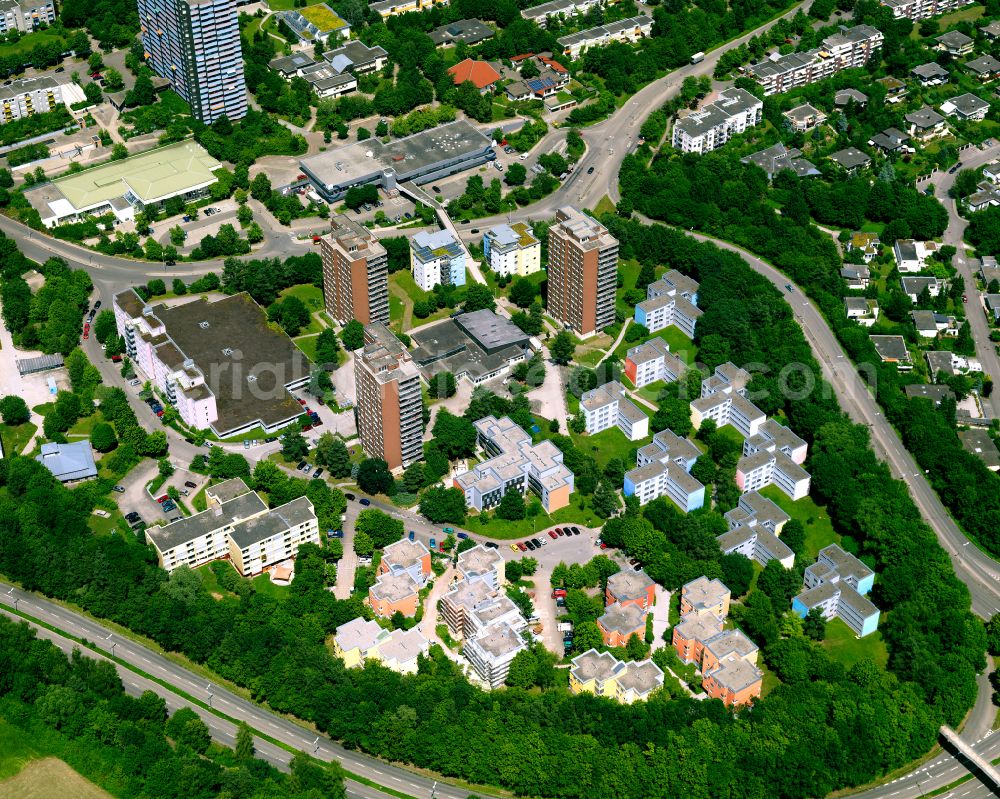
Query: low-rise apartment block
(624, 30)
(515, 464)
(512, 250)
(621, 622)
(849, 48)
(394, 593)
(651, 361)
(355, 273)
(663, 470)
(359, 641)
(474, 605)
(482, 563)
(238, 526)
(629, 587)
(608, 406)
(774, 456)
(602, 674)
(735, 112)
(392, 8)
(407, 557)
(922, 9)
(40, 94)
(671, 300)
(705, 596)
(26, 16)
(837, 584)
(541, 14)
(389, 407)
(220, 364)
(437, 257)
(723, 400)
(754, 526)
(492, 651)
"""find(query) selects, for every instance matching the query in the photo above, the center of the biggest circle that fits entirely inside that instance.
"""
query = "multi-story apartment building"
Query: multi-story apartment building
(922, 9)
(437, 258)
(195, 44)
(406, 557)
(355, 273)
(671, 300)
(602, 674)
(608, 406)
(735, 112)
(850, 47)
(774, 455)
(474, 605)
(482, 563)
(26, 16)
(237, 525)
(389, 408)
(705, 596)
(218, 363)
(663, 469)
(390, 8)
(651, 361)
(512, 250)
(359, 641)
(754, 526)
(629, 587)
(514, 464)
(583, 272)
(723, 400)
(394, 593)
(541, 14)
(625, 31)
(837, 584)
(25, 97)
(621, 622)
(492, 651)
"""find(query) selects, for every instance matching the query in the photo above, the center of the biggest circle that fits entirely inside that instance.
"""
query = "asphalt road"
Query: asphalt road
(986, 350)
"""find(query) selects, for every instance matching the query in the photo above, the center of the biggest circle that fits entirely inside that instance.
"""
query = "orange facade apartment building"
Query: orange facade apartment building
(355, 273)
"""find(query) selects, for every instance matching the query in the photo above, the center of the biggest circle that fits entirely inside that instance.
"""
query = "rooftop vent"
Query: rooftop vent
(252, 379)
(203, 325)
(227, 351)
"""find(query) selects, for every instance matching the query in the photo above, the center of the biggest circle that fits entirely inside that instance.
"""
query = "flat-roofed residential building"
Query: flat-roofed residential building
(861, 310)
(437, 257)
(359, 641)
(774, 455)
(705, 596)
(804, 117)
(389, 408)
(492, 652)
(541, 14)
(913, 287)
(514, 464)
(837, 584)
(856, 277)
(316, 23)
(391, 8)
(625, 31)
(922, 9)
(608, 406)
(846, 49)
(26, 16)
(754, 526)
(40, 94)
(651, 361)
(357, 57)
(735, 112)
(621, 622)
(355, 273)
(893, 349)
(326, 81)
(241, 528)
(407, 557)
(467, 31)
(690, 633)
(671, 300)
(512, 250)
(583, 272)
(195, 44)
(394, 593)
(474, 604)
(353, 640)
(218, 363)
(482, 563)
(401, 651)
(602, 674)
(142, 181)
(663, 469)
(728, 408)
(735, 682)
(629, 587)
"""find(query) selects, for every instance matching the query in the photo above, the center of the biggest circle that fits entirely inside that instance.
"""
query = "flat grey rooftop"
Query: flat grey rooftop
(180, 532)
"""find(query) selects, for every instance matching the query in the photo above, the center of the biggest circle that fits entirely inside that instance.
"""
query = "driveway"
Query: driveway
(661, 616)
(545, 606)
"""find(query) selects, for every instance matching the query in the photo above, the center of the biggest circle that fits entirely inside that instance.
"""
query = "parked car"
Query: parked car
(97, 304)
(590, 171)
(433, 543)
(301, 465)
(575, 530)
(119, 489)
(412, 536)
(116, 359)
(460, 536)
(246, 443)
(318, 473)
(349, 496)
(515, 547)
(552, 534)
(522, 546)
(365, 501)
(491, 545)
(558, 592)
(338, 533)
(163, 499)
(531, 545)
(436, 189)
(270, 439)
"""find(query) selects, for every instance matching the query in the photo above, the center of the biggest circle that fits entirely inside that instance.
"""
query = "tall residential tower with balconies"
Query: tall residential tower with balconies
(355, 273)
(195, 44)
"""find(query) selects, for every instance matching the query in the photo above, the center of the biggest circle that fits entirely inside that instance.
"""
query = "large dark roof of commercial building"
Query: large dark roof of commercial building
(491, 331)
(248, 382)
(447, 346)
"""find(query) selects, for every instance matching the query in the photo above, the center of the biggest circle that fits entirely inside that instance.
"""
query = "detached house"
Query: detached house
(966, 106)
(926, 124)
(986, 68)
(481, 74)
(954, 43)
(932, 74)
(911, 256)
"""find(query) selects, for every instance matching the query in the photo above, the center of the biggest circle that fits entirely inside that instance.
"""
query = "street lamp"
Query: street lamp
(208, 687)
(113, 644)
(316, 745)
(13, 598)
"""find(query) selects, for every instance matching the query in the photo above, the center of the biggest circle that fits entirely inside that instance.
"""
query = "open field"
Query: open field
(16, 438)
(815, 520)
(47, 779)
(844, 646)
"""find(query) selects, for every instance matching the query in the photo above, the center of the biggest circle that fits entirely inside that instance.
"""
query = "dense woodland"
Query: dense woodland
(810, 735)
(76, 709)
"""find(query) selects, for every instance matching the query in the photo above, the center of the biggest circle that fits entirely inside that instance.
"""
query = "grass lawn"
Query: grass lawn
(845, 646)
(285, 5)
(680, 345)
(605, 206)
(308, 345)
(608, 444)
(16, 437)
(211, 582)
(83, 427)
(502, 529)
(770, 681)
(15, 751)
(262, 583)
(31, 40)
(945, 21)
(104, 527)
(815, 520)
(50, 777)
(312, 298)
(403, 293)
(44, 408)
(199, 502)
